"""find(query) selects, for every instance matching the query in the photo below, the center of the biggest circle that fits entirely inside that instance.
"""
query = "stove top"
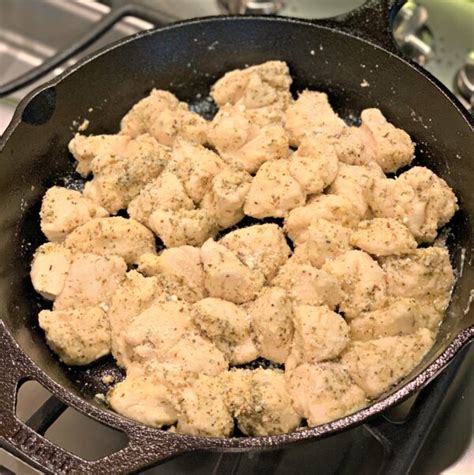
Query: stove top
(432, 432)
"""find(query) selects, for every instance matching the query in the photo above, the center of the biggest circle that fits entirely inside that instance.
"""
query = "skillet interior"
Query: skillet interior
(187, 59)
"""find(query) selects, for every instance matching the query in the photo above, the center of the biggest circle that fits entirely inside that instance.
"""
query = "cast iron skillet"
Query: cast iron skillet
(187, 58)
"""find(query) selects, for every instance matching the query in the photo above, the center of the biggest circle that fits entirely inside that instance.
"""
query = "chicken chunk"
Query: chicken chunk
(333, 208)
(393, 147)
(271, 314)
(311, 113)
(225, 200)
(226, 277)
(228, 327)
(376, 365)
(165, 118)
(273, 192)
(49, 269)
(308, 285)
(179, 271)
(85, 148)
(63, 210)
(352, 146)
(196, 166)
(418, 198)
(320, 334)
(323, 392)
(261, 90)
(91, 280)
(118, 236)
(362, 281)
(262, 247)
(260, 402)
(383, 237)
(183, 227)
(78, 336)
(165, 192)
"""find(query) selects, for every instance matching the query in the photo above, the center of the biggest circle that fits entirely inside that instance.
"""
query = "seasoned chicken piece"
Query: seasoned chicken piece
(314, 165)
(183, 227)
(225, 200)
(311, 113)
(399, 316)
(352, 147)
(323, 392)
(179, 271)
(320, 334)
(259, 401)
(228, 327)
(78, 336)
(393, 147)
(164, 117)
(418, 198)
(326, 240)
(333, 208)
(118, 178)
(165, 192)
(91, 280)
(145, 397)
(202, 409)
(261, 90)
(196, 166)
(362, 281)
(85, 148)
(271, 313)
(376, 365)
(244, 144)
(383, 237)
(262, 247)
(273, 192)
(226, 277)
(63, 210)
(118, 236)
(354, 182)
(49, 269)
(131, 297)
(308, 285)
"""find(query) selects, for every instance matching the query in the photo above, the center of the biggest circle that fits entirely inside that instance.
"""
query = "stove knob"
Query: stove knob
(464, 80)
(255, 7)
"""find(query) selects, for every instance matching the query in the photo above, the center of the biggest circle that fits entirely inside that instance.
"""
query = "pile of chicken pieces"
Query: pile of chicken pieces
(349, 312)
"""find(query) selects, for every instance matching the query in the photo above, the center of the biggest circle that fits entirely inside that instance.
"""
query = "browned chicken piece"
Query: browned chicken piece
(259, 401)
(271, 315)
(165, 118)
(118, 178)
(262, 91)
(333, 208)
(63, 210)
(183, 227)
(50, 268)
(91, 280)
(228, 327)
(323, 392)
(307, 285)
(226, 198)
(85, 148)
(78, 336)
(352, 147)
(376, 365)
(273, 192)
(362, 281)
(179, 271)
(418, 198)
(226, 277)
(311, 113)
(118, 236)
(262, 247)
(392, 147)
(314, 165)
(354, 182)
(383, 237)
